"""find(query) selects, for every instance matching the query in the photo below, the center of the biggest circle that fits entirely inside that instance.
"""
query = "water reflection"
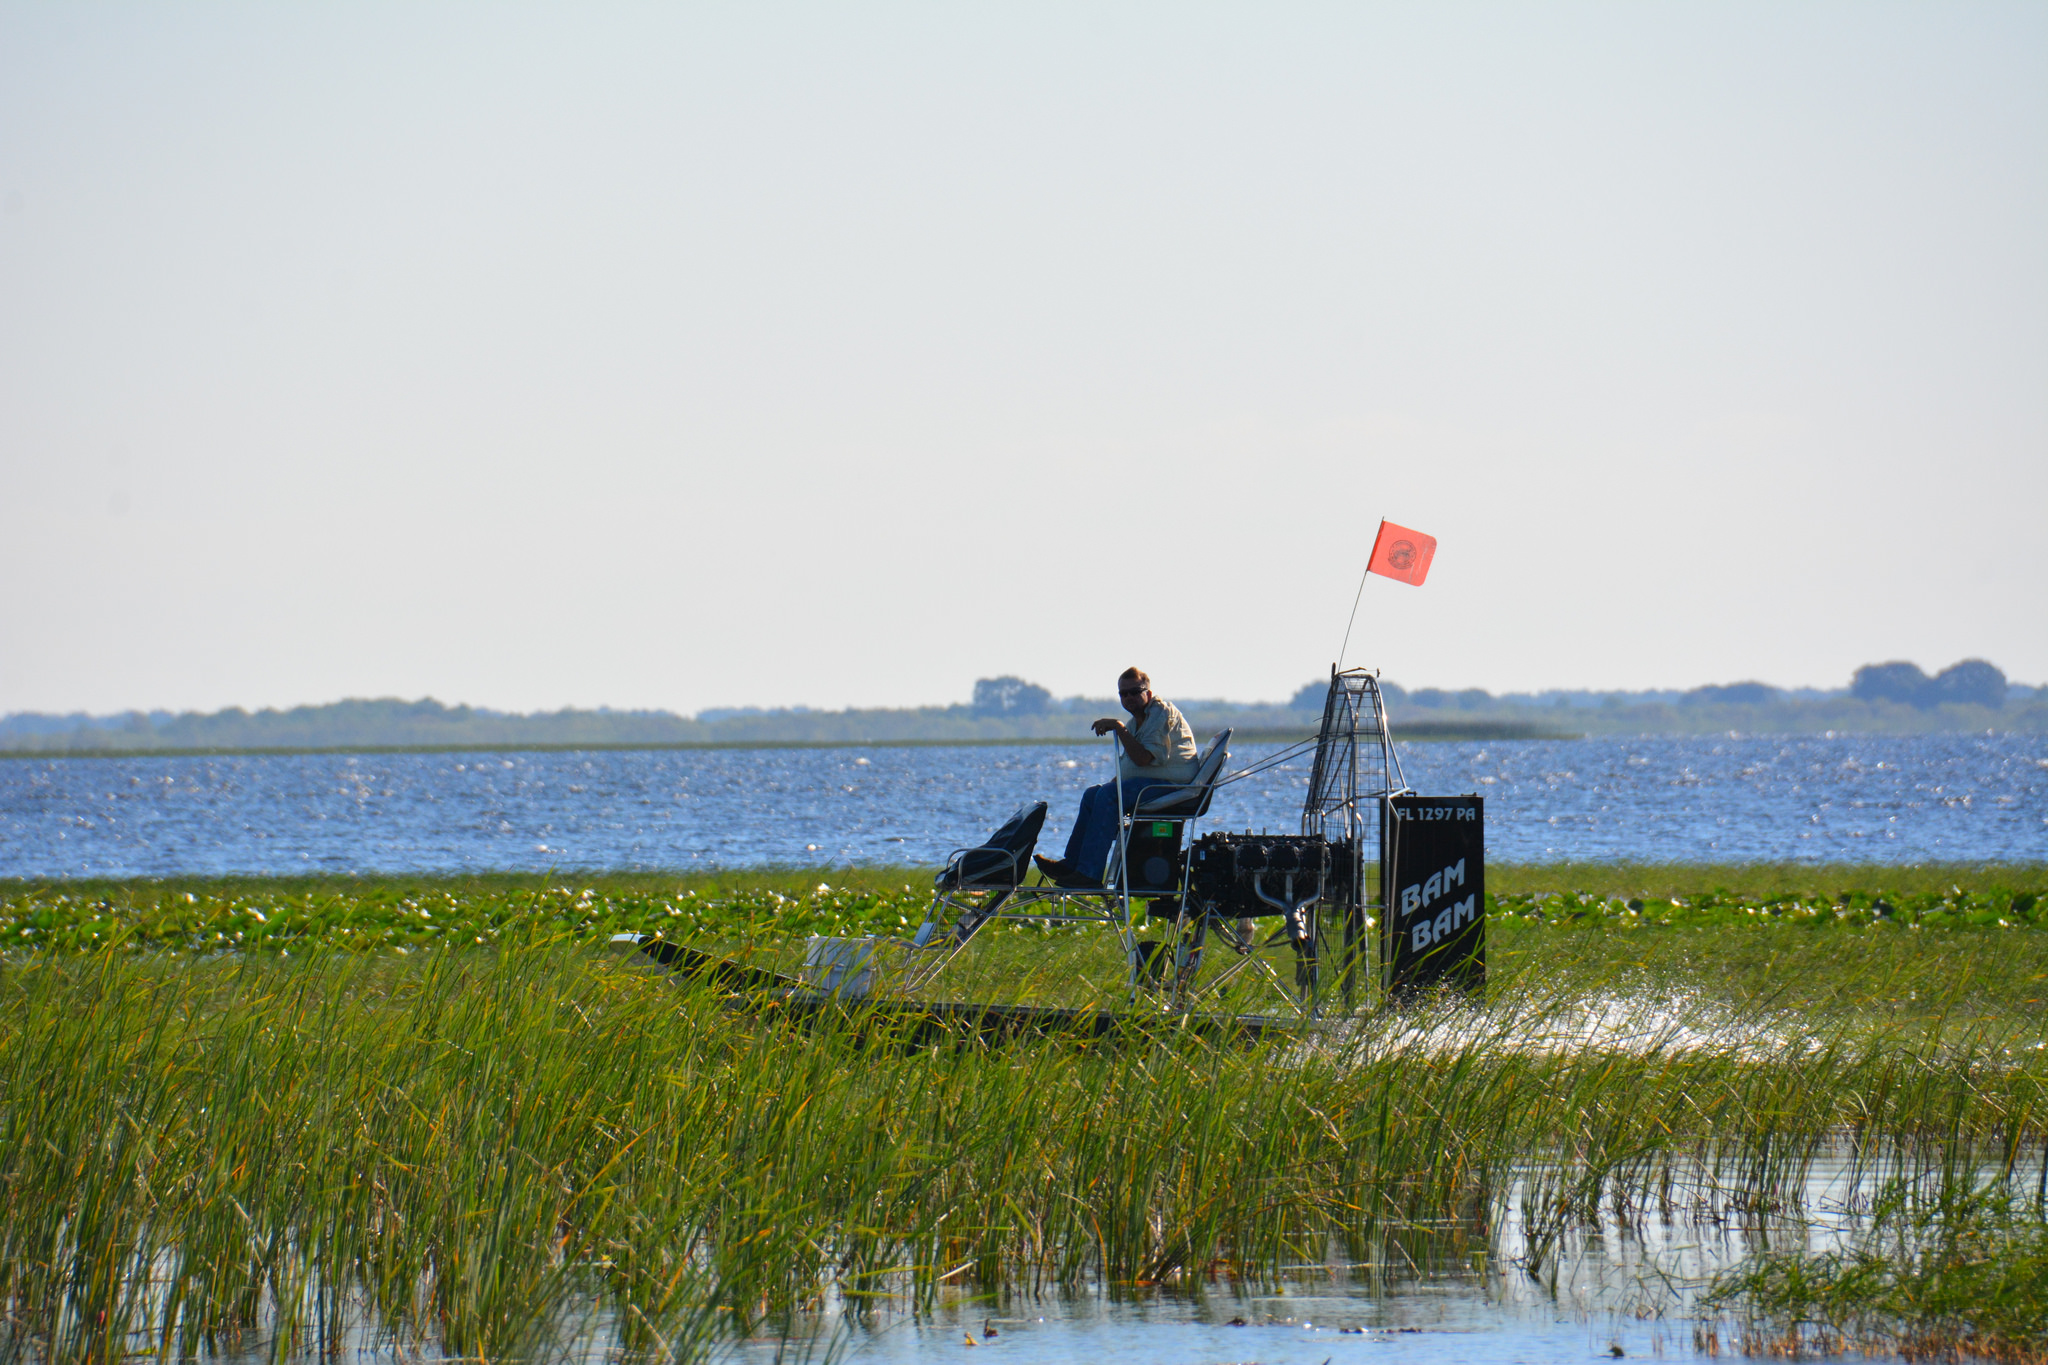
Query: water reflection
(1624, 1279)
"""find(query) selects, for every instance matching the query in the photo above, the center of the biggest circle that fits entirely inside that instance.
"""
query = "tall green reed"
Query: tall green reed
(519, 1152)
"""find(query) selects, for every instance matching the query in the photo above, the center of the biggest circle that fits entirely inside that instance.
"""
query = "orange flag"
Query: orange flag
(1398, 552)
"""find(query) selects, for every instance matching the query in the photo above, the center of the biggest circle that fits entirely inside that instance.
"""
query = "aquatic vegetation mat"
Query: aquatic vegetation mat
(257, 914)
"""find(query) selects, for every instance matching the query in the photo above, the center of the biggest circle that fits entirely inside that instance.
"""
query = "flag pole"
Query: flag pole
(1356, 598)
(1344, 650)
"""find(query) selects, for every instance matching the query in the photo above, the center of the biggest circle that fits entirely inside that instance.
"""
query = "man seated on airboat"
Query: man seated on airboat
(1156, 753)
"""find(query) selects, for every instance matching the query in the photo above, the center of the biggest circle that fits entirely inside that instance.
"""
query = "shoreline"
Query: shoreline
(1413, 734)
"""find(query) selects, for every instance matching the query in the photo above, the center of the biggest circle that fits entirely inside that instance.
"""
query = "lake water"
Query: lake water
(1310, 1325)
(1631, 1285)
(1863, 798)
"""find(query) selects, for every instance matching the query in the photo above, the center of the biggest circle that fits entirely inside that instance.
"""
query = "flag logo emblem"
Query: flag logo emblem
(1401, 553)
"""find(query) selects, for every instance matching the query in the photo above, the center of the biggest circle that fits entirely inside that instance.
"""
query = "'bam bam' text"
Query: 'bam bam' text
(1424, 897)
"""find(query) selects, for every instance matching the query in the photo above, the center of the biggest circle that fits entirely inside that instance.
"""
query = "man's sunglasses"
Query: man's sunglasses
(1131, 691)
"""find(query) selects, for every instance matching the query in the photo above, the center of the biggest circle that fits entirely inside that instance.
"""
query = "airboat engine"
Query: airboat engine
(1247, 877)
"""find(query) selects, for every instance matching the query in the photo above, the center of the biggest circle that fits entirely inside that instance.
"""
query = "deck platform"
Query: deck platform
(903, 1022)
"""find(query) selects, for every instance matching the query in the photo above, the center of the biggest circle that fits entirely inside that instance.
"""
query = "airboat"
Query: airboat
(1296, 910)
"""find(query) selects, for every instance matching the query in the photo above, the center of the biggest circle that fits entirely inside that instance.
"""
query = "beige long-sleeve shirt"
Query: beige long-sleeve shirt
(1170, 740)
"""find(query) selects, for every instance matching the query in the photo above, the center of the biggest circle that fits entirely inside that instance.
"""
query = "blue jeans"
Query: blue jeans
(1094, 832)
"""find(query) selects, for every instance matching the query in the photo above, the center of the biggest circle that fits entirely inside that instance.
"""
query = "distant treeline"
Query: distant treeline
(427, 724)
(1894, 697)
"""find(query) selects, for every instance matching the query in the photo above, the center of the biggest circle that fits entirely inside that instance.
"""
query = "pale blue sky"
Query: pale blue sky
(687, 356)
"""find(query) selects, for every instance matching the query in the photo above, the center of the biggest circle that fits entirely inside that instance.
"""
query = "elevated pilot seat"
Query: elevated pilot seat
(1153, 846)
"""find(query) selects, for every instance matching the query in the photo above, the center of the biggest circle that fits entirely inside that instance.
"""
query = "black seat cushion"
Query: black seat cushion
(1003, 859)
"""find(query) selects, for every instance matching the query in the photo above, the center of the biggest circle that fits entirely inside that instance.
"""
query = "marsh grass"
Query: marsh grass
(425, 1114)
(527, 1149)
(1951, 1266)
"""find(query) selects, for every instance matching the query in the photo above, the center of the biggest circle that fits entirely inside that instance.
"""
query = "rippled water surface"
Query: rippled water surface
(1629, 1285)
(1868, 798)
